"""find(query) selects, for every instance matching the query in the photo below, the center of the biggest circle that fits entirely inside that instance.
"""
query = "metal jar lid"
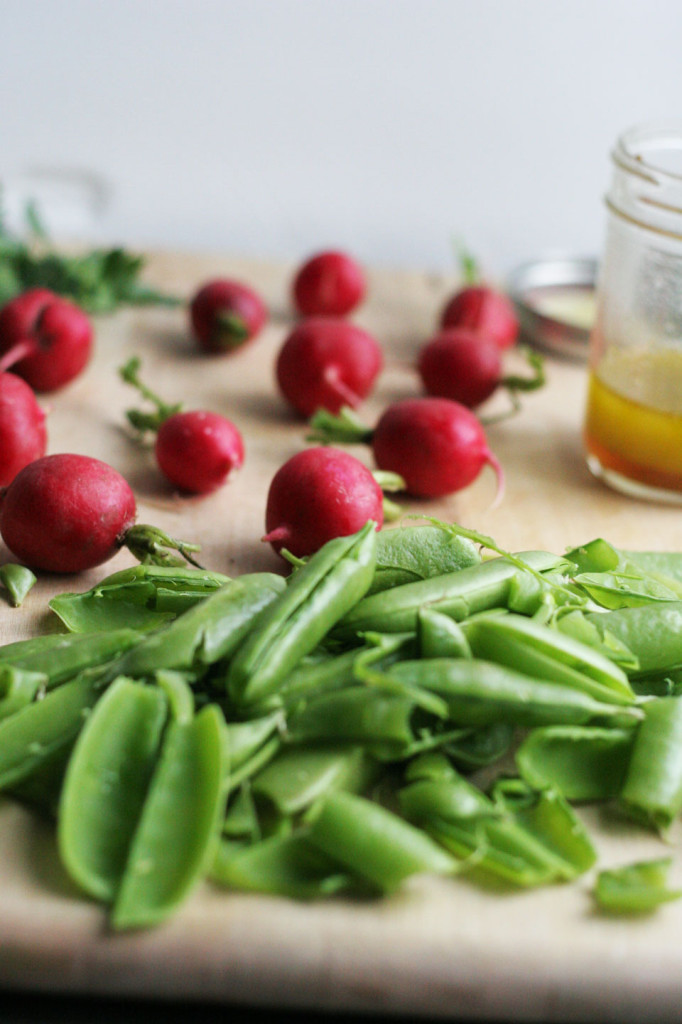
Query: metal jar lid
(555, 303)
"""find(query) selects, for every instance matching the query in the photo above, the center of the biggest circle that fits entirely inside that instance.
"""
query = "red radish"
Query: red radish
(66, 513)
(23, 436)
(436, 445)
(483, 309)
(195, 450)
(462, 365)
(326, 363)
(44, 338)
(329, 284)
(319, 494)
(225, 315)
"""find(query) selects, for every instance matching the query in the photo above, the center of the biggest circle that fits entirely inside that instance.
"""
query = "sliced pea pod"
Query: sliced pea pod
(652, 791)
(142, 596)
(374, 843)
(175, 841)
(281, 865)
(298, 776)
(317, 596)
(457, 594)
(208, 632)
(440, 636)
(653, 633)
(32, 735)
(106, 785)
(635, 888)
(18, 688)
(61, 656)
(545, 653)
(583, 763)
(17, 581)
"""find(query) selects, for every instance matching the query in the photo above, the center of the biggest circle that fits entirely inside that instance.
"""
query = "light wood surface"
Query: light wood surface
(440, 948)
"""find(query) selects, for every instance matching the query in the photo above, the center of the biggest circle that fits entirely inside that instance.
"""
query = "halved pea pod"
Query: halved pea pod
(177, 834)
(652, 791)
(583, 763)
(106, 785)
(61, 656)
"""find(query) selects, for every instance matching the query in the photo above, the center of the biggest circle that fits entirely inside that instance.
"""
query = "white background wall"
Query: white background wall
(274, 127)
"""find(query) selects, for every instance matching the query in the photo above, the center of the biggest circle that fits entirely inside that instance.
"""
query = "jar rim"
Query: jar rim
(632, 147)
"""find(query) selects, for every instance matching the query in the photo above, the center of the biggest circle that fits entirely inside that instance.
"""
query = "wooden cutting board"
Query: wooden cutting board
(439, 948)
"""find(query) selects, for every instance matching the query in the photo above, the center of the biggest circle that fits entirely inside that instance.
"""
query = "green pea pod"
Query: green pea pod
(410, 553)
(106, 784)
(440, 636)
(206, 633)
(18, 688)
(545, 653)
(298, 776)
(317, 596)
(374, 843)
(30, 736)
(17, 580)
(142, 596)
(381, 721)
(476, 748)
(575, 623)
(652, 792)
(659, 564)
(281, 865)
(457, 594)
(243, 739)
(175, 841)
(251, 765)
(176, 686)
(635, 888)
(653, 633)
(583, 763)
(480, 692)
(62, 656)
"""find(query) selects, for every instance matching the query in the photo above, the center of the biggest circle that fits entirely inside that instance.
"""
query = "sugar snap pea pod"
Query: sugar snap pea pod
(480, 692)
(575, 623)
(142, 596)
(410, 553)
(62, 656)
(178, 691)
(243, 739)
(542, 652)
(440, 636)
(299, 775)
(457, 594)
(33, 734)
(476, 748)
(18, 687)
(317, 596)
(583, 763)
(252, 764)
(653, 633)
(381, 721)
(281, 865)
(652, 791)
(208, 632)
(660, 564)
(241, 818)
(374, 843)
(106, 784)
(177, 834)
(635, 888)
(17, 581)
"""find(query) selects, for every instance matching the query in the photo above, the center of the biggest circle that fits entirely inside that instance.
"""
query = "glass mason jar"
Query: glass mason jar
(633, 418)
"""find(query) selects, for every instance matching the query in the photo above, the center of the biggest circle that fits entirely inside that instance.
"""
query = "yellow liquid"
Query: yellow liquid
(633, 424)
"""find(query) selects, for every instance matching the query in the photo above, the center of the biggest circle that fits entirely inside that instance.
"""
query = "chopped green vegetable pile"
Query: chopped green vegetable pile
(323, 734)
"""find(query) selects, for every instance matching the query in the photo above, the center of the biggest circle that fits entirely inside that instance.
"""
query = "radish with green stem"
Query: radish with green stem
(481, 308)
(327, 363)
(321, 493)
(195, 450)
(23, 436)
(225, 315)
(436, 445)
(466, 366)
(44, 338)
(66, 513)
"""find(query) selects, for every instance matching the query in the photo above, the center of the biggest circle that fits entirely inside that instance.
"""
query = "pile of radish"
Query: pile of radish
(66, 512)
